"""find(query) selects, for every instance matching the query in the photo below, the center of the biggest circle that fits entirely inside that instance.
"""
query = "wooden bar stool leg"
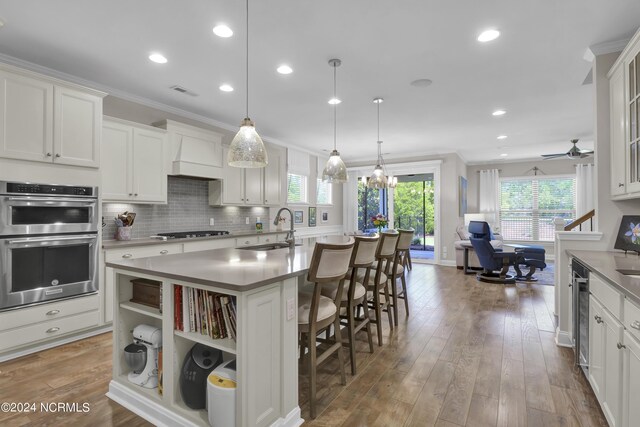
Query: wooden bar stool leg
(394, 298)
(404, 292)
(365, 308)
(338, 335)
(312, 375)
(388, 299)
(352, 337)
(378, 311)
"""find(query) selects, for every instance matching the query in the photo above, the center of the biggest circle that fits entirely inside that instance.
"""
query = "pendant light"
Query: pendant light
(378, 178)
(247, 149)
(335, 171)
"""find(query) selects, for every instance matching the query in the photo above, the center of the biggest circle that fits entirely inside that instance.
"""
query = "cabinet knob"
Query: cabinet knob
(247, 242)
(598, 318)
(620, 184)
(164, 252)
(48, 154)
(131, 194)
(52, 312)
(635, 324)
(57, 154)
(52, 330)
(135, 194)
(127, 256)
(621, 346)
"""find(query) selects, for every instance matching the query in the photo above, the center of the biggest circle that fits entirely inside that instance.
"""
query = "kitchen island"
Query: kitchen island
(264, 284)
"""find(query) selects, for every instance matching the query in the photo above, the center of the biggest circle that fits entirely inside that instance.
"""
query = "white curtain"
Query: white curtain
(350, 203)
(489, 191)
(584, 189)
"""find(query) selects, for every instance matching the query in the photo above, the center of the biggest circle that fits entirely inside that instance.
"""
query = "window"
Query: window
(323, 192)
(529, 205)
(297, 188)
(370, 203)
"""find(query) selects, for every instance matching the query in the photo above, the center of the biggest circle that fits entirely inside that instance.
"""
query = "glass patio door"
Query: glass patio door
(414, 207)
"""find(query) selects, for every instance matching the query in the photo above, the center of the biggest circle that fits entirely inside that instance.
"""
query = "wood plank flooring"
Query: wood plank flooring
(471, 354)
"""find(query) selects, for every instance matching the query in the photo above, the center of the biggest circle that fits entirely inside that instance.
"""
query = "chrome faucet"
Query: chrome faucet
(290, 238)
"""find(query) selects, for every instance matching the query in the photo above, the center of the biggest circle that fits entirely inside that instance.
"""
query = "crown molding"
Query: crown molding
(604, 48)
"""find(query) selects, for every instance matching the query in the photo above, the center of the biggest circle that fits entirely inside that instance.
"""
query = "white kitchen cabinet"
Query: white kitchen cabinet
(251, 186)
(275, 174)
(596, 348)
(134, 166)
(631, 381)
(624, 99)
(45, 120)
(611, 403)
(239, 186)
(619, 166)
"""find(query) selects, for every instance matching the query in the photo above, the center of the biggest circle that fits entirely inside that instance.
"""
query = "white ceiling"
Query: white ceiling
(534, 70)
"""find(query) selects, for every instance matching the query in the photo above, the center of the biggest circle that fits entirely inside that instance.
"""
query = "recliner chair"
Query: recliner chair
(490, 259)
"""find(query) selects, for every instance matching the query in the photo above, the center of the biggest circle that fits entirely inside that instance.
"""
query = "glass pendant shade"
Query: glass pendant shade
(247, 149)
(378, 179)
(335, 171)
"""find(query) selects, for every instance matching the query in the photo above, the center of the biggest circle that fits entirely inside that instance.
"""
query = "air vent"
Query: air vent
(183, 90)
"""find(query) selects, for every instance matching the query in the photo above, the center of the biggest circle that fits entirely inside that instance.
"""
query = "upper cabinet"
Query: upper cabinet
(624, 107)
(46, 120)
(251, 186)
(193, 151)
(134, 163)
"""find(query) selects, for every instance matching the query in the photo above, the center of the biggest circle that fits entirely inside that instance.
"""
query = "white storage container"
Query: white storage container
(221, 395)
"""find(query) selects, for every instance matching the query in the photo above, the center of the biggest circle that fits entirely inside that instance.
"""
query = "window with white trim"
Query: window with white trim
(528, 206)
(323, 192)
(297, 188)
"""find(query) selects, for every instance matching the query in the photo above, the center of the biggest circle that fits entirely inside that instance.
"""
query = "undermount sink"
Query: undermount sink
(630, 273)
(268, 247)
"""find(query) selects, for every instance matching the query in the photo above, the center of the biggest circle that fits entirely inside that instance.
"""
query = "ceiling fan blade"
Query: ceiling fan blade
(583, 155)
(586, 151)
(553, 156)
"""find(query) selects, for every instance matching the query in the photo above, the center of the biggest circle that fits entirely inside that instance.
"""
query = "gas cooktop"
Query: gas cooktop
(192, 234)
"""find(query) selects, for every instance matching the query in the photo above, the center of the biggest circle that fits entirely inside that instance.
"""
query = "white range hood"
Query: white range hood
(194, 152)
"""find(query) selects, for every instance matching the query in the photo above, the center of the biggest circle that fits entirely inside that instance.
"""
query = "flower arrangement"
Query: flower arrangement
(379, 221)
(634, 233)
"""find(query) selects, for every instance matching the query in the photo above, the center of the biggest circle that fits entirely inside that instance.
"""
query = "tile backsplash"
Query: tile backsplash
(187, 210)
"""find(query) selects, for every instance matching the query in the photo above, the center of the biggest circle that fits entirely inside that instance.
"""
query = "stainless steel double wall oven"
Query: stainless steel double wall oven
(48, 242)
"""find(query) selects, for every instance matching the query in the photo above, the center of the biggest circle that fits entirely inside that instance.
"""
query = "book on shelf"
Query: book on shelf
(204, 312)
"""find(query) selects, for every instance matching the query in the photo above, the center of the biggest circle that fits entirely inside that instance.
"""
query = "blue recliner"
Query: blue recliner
(490, 259)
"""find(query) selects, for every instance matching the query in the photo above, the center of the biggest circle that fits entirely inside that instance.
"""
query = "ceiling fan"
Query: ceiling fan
(573, 153)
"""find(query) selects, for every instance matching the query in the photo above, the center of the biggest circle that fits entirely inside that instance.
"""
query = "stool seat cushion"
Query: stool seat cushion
(372, 277)
(330, 289)
(326, 308)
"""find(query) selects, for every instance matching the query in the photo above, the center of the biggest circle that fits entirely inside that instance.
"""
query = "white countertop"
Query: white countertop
(234, 269)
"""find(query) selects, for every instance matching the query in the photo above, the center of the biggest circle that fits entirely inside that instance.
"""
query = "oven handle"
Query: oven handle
(52, 200)
(84, 237)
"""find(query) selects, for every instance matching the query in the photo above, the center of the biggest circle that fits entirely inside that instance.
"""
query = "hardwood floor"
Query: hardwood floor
(471, 354)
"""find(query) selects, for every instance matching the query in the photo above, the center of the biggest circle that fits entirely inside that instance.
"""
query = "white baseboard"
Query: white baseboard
(448, 262)
(563, 339)
(161, 416)
(140, 405)
(54, 343)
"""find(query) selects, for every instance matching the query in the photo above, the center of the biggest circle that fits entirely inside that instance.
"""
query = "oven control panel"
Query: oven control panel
(63, 190)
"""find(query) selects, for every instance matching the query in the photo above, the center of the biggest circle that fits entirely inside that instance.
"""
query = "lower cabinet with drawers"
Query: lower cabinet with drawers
(37, 324)
(614, 353)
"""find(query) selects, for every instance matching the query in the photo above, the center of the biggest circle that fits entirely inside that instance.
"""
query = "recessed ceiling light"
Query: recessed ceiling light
(504, 155)
(222, 31)
(488, 35)
(502, 137)
(157, 58)
(499, 113)
(378, 100)
(284, 69)
(421, 83)
(1, 23)
(226, 88)
(334, 101)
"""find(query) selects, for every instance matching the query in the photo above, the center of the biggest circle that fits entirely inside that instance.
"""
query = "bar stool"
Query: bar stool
(376, 284)
(397, 271)
(353, 295)
(329, 263)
